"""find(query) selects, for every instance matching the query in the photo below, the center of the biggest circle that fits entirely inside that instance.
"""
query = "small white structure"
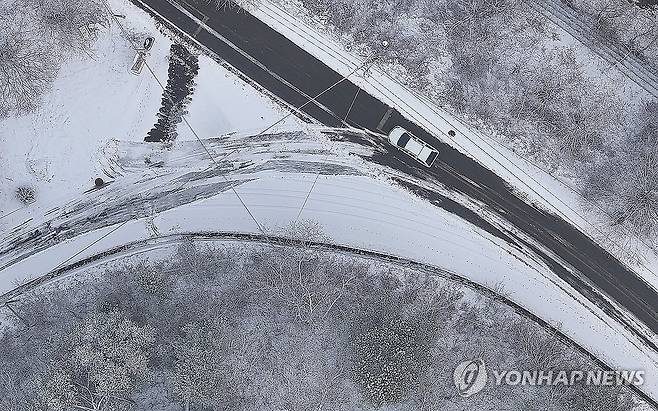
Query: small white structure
(138, 63)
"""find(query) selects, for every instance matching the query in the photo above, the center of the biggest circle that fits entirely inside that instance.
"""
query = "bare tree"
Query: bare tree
(625, 183)
(13, 395)
(70, 25)
(626, 186)
(552, 95)
(601, 397)
(389, 354)
(27, 66)
(198, 376)
(235, 4)
(301, 280)
(539, 351)
(398, 345)
(26, 194)
(624, 24)
(101, 361)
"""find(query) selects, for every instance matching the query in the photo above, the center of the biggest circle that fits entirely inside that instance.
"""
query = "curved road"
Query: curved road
(150, 244)
(294, 76)
(140, 246)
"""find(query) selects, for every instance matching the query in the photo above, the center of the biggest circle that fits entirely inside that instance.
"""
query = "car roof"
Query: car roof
(416, 147)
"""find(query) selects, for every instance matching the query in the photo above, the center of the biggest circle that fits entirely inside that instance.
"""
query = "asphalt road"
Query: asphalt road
(293, 75)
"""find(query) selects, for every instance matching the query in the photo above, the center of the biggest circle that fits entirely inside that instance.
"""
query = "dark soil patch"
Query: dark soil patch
(183, 68)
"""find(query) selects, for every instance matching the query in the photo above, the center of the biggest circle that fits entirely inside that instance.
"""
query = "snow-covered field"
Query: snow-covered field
(94, 100)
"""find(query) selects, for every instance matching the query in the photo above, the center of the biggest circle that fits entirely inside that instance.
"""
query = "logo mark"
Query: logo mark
(470, 377)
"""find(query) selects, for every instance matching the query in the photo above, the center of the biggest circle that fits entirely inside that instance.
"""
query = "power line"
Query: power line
(202, 23)
(187, 123)
(309, 100)
(90, 245)
(423, 100)
(123, 30)
(314, 99)
(331, 149)
(11, 212)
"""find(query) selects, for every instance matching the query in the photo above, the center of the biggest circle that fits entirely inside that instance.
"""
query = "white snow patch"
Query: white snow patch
(223, 103)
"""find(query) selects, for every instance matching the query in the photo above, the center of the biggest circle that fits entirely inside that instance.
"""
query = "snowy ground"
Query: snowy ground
(86, 128)
(95, 100)
(556, 195)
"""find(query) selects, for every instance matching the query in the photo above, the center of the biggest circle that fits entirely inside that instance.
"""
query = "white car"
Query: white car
(413, 146)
